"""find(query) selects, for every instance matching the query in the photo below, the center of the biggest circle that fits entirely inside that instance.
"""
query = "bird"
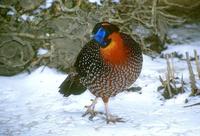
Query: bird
(107, 65)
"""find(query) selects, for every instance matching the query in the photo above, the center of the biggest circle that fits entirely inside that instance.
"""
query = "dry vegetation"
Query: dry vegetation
(65, 27)
(173, 85)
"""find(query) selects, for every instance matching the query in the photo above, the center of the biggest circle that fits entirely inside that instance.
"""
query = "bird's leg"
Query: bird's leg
(109, 117)
(90, 110)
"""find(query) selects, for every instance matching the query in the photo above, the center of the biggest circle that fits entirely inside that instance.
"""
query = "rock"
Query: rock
(15, 55)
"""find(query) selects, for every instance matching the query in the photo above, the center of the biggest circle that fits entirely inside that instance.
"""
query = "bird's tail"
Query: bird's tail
(72, 85)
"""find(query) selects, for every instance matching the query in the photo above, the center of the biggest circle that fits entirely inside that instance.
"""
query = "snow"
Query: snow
(27, 17)
(30, 104)
(95, 1)
(99, 1)
(47, 4)
(186, 34)
(183, 48)
(10, 13)
(42, 51)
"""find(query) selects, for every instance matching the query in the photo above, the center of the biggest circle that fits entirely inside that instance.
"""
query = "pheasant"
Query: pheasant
(107, 65)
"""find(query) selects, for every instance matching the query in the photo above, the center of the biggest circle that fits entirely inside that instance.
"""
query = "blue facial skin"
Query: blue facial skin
(100, 37)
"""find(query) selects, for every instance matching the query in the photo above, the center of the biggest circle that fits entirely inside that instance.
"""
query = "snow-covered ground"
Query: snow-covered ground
(30, 105)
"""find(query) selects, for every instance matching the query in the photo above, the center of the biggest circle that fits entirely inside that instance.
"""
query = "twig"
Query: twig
(181, 6)
(195, 104)
(8, 7)
(65, 9)
(169, 68)
(32, 36)
(192, 77)
(168, 85)
(172, 66)
(182, 85)
(154, 15)
(168, 76)
(197, 63)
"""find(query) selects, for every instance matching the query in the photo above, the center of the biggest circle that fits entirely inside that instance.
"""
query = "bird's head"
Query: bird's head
(102, 31)
(113, 49)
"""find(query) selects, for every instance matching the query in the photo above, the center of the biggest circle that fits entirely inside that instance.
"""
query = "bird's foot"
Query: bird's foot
(113, 119)
(90, 110)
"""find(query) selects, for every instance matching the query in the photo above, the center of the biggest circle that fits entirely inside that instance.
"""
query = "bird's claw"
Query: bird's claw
(91, 113)
(113, 119)
(90, 110)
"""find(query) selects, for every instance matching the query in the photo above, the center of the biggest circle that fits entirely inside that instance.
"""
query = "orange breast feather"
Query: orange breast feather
(116, 51)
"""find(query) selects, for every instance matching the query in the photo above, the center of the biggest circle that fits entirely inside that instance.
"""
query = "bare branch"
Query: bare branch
(195, 104)
(8, 7)
(154, 15)
(182, 6)
(31, 36)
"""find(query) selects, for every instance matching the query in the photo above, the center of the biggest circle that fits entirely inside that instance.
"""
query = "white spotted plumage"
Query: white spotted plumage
(104, 79)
